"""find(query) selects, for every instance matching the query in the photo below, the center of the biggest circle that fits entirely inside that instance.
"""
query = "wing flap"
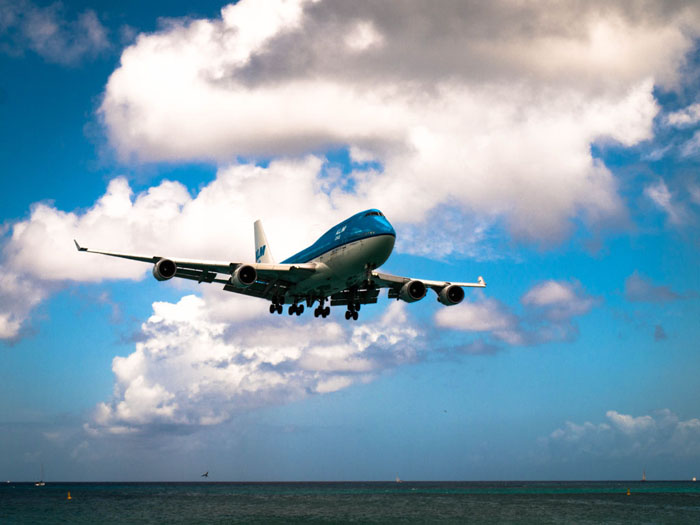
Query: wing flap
(387, 280)
(366, 296)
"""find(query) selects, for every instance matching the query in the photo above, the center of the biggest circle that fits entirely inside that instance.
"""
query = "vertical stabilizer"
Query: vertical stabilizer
(262, 248)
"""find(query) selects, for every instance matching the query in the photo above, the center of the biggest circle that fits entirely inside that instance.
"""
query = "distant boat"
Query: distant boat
(398, 480)
(41, 483)
(644, 475)
(693, 479)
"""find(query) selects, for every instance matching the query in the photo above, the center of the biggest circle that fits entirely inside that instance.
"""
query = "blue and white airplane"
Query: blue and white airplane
(340, 267)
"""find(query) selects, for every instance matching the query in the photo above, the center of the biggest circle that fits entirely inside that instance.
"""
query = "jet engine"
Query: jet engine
(451, 295)
(164, 269)
(244, 276)
(412, 291)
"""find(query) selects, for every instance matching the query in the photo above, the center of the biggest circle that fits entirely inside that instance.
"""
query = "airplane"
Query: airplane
(340, 267)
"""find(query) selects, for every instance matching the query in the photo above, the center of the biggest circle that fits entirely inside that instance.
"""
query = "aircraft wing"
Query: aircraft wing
(386, 280)
(271, 278)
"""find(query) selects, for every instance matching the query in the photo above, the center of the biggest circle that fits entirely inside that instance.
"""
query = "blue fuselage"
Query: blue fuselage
(347, 251)
(363, 225)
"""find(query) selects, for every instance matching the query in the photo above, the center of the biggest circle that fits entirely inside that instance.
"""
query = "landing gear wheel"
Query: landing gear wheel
(273, 308)
(327, 311)
(292, 309)
(317, 312)
(354, 316)
(300, 309)
(348, 314)
(279, 308)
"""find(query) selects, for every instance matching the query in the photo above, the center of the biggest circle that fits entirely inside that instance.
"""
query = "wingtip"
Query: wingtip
(481, 281)
(78, 247)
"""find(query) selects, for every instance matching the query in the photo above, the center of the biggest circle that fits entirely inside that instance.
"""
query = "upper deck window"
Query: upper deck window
(374, 213)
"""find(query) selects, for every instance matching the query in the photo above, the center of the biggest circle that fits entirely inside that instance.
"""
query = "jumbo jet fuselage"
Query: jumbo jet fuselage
(346, 253)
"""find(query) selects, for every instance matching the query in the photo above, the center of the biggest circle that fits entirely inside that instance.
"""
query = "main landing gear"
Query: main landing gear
(351, 313)
(296, 309)
(275, 307)
(322, 311)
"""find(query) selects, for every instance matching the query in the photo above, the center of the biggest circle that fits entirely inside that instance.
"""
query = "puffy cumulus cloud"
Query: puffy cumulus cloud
(200, 362)
(491, 109)
(47, 31)
(18, 295)
(42, 245)
(166, 219)
(486, 315)
(687, 116)
(623, 435)
(39, 255)
(549, 310)
(559, 300)
(641, 289)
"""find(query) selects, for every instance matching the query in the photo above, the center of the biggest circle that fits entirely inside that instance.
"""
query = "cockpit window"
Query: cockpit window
(374, 214)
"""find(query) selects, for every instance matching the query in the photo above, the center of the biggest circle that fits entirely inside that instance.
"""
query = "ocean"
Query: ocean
(353, 502)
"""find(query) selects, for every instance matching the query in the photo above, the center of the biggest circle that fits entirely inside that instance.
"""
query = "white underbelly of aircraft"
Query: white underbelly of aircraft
(346, 265)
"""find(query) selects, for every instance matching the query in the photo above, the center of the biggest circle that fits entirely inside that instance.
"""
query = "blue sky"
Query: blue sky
(554, 152)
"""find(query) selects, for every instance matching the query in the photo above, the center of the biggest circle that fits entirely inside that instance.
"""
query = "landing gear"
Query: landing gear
(353, 305)
(275, 307)
(296, 309)
(322, 311)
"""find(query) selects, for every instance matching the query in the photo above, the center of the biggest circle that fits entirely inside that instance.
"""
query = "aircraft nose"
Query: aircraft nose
(387, 227)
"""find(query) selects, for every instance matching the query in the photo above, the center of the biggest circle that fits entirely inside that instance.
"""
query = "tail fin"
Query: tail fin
(262, 248)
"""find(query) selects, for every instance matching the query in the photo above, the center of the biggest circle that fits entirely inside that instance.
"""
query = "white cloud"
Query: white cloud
(624, 435)
(47, 31)
(550, 308)
(363, 37)
(487, 315)
(196, 367)
(691, 147)
(660, 195)
(559, 300)
(687, 116)
(18, 295)
(640, 289)
(500, 126)
(629, 424)
(694, 190)
(166, 219)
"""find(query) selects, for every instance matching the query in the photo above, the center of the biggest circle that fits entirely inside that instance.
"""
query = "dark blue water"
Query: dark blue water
(423, 502)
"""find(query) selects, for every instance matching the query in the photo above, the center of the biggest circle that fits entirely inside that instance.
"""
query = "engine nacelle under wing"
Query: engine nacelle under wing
(451, 295)
(244, 276)
(164, 269)
(412, 291)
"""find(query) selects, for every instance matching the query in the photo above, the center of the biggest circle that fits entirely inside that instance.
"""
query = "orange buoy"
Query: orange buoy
(69, 496)
(628, 492)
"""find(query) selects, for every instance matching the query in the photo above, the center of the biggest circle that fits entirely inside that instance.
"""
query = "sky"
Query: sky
(551, 147)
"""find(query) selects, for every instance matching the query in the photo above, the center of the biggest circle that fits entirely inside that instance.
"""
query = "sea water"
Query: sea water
(414, 502)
